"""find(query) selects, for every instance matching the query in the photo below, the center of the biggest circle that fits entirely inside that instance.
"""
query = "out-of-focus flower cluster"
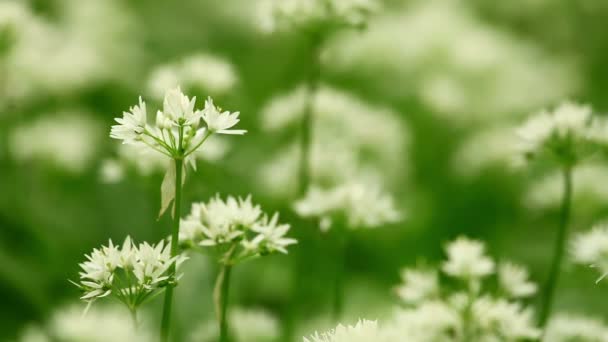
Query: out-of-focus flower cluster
(358, 205)
(471, 312)
(236, 226)
(132, 274)
(247, 325)
(315, 16)
(363, 331)
(591, 249)
(203, 72)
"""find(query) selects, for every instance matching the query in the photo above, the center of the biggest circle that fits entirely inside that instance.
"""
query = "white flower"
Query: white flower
(565, 327)
(430, 321)
(271, 236)
(248, 324)
(363, 331)
(591, 249)
(513, 279)
(132, 125)
(66, 140)
(417, 285)
(500, 320)
(180, 109)
(467, 259)
(361, 205)
(218, 121)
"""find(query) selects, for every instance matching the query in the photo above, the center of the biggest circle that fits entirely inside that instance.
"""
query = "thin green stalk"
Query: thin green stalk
(133, 312)
(467, 319)
(221, 291)
(166, 319)
(560, 242)
(341, 247)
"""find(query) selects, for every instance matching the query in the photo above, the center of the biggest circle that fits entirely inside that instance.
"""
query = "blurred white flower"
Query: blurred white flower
(201, 71)
(232, 222)
(248, 324)
(363, 331)
(467, 259)
(566, 327)
(432, 320)
(67, 140)
(500, 320)
(418, 285)
(513, 279)
(112, 171)
(131, 273)
(360, 205)
(455, 62)
(100, 324)
(591, 249)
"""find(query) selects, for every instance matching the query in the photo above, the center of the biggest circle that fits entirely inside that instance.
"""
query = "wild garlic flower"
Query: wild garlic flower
(363, 331)
(418, 285)
(564, 134)
(132, 274)
(359, 205)
(201, 71)
(248, 324)
(513, 279)
(469, 310)
(315, 16)
(591, 249)
(177, 133)
(467, 260)
(568, 327)
(234, 223)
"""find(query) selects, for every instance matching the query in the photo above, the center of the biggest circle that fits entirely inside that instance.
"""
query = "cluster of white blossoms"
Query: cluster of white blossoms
(67, 140)
(315, 15)
(248, 324)
(131, 273)
(177, 132)
(573, 327)
(591, 249)
(201, 71)
(433, 312)
(343, 146)
(102, 323)
(235, 223)
(363, 331)
(358, 205)
(565, 134)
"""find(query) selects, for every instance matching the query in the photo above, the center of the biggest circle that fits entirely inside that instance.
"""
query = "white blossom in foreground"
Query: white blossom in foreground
(363, 331)
(249, 324)
(360, 205)
(565, 327)
(563, 134)
(132, 274)
(201, 71)
(467, 260)
(68, 141)
(176, 134)
(470, 309)
(314, 15)
(234, 223)
(591, 249)
(100, 324)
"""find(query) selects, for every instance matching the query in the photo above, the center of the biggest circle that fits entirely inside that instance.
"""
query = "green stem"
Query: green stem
(166, 318)
(133, 312)
(338, 292)
(222, 287)
(467, 319)
(560, 242)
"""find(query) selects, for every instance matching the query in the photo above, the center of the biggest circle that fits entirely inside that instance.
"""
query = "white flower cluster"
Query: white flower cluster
(436, 313)
(343, 146)
(133, 274)
(232, 223)
(177, 133)
(100, 324)
(591, 249)
(359, 205)
(67, 140)
(363, 331)
(572, 327)
(564, 134)
(200, 71)
(248, 324)
(315, 15)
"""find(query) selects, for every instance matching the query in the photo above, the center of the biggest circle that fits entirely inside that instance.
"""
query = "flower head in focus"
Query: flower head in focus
(591, 249)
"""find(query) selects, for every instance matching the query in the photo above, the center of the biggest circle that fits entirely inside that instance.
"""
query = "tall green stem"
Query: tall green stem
(558, 254)
(166, 319)
(222, 287)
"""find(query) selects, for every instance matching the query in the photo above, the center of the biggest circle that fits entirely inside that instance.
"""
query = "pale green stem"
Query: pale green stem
(220, 294)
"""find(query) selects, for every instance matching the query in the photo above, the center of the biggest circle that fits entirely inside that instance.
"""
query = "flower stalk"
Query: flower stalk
(558, 254)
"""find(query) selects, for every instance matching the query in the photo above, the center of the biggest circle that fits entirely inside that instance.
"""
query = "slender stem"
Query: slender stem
(133, 312)
(338, 292)
(558, 253)
(166, 319)
(467, 331)
(220, 294)
(312, 84)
